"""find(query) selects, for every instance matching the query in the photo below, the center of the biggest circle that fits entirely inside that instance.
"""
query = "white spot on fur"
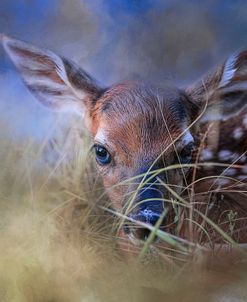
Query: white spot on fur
(230, 172)
(206, 154)
(242, 159)
(238, 133)
(225, 155)
(242, 177)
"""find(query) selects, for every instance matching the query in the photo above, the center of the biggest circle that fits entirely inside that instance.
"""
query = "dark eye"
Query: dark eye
(186, 153)
(103, 157)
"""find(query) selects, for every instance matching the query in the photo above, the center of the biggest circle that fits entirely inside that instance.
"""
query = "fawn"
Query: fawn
(139, 130)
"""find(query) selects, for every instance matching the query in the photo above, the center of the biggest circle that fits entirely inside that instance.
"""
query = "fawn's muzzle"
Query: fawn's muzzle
(148, 210)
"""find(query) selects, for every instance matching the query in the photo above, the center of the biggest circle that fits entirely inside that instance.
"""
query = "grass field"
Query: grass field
(59, 244)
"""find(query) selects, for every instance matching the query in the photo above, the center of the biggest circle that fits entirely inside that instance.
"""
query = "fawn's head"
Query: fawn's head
(138, 130)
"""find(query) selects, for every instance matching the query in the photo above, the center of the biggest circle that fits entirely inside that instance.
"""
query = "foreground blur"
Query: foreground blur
(58, 246)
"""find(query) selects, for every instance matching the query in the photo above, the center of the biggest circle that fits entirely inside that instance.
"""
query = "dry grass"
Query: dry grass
(58, 244)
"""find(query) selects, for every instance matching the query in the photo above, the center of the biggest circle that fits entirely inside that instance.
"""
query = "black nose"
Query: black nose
(150, 204)
(147, 215)
(149, 208)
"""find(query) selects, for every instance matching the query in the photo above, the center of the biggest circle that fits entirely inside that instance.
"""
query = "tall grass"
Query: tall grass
(59, 237)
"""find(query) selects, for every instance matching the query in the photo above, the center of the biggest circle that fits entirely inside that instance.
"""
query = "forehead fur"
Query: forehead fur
(138, 98)
(139, 116)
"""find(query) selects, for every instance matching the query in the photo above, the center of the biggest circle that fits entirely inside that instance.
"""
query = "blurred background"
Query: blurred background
(154, 40)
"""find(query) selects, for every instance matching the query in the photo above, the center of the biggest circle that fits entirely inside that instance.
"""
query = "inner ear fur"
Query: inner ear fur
(58, 83)
(223, 92)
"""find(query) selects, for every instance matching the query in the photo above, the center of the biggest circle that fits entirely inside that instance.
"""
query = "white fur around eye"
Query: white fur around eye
(100, 137)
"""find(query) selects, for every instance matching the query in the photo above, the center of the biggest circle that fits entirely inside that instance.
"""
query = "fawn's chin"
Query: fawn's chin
(139, 235)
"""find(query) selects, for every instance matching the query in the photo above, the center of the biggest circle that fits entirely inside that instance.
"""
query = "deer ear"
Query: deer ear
(55, 81)
(224, 91)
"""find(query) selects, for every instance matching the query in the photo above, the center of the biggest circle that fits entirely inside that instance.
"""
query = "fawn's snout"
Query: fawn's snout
(149, 213)
(149, 206)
